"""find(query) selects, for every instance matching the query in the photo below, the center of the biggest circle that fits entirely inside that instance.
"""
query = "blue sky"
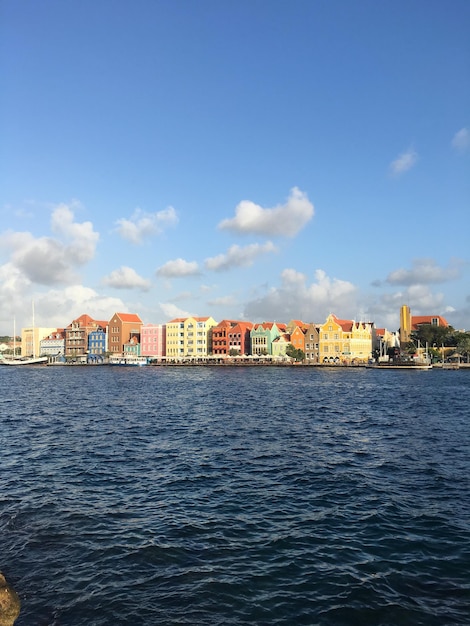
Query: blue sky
(259, 160)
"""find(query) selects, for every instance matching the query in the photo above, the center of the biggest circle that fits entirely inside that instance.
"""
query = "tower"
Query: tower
(405, 325)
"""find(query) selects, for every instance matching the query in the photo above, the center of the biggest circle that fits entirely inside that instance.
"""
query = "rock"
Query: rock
(9, 603)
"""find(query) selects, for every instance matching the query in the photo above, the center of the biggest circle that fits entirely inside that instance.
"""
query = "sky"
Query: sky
(256, 160)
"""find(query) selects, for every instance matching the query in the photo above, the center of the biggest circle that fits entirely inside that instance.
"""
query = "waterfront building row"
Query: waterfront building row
(333, 341)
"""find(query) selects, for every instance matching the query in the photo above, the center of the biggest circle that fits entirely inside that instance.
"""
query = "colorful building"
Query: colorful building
(231, 336)
(76, 335)
(345, 341)
(312, 343)
(53, 345)
(189, 337)
(153, 340)
(263, 335)
(121, 328)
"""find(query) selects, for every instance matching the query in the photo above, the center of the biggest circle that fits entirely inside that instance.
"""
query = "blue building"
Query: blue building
(96, 345)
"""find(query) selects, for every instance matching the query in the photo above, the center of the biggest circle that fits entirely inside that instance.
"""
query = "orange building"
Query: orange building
(123, 327)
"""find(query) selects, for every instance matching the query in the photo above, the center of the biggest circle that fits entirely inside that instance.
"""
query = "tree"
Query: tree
(463, 345)
(295, 353)
(431, 334)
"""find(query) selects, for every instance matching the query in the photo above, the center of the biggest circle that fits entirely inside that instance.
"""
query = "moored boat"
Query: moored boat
(126, 361)
(23, 361)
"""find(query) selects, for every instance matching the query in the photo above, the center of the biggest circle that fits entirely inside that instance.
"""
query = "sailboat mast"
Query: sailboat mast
(34, 333)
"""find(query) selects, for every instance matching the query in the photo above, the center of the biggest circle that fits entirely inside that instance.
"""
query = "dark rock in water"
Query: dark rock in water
(9, 603)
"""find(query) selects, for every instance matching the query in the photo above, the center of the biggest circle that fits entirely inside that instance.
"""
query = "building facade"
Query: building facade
(262, 336)
(189, 337)
(121, 328)
(53, 345)
(153, 340)
(345, 341)
(312, 343)
(31, 338)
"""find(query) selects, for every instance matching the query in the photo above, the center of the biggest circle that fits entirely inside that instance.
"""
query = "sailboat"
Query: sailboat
(32, 360)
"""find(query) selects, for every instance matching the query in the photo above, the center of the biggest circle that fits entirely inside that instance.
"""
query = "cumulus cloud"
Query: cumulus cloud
(48, 260)
(178, 268)
(126, 278)
(171, 311)
(295, 298)
(282, 221)
(425, 271)
(238, 256)
(81, 236)
(142, 225)
(60, 307)
(461, 140)
(404, 162)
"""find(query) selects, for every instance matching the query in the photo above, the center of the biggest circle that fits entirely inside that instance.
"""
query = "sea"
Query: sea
(217, 495)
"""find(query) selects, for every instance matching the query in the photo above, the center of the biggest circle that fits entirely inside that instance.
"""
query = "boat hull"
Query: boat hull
(17, 362)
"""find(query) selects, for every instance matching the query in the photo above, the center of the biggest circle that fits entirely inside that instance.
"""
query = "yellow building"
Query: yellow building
(345, 341)
(30, 339)
(189, 337)
(405, 325)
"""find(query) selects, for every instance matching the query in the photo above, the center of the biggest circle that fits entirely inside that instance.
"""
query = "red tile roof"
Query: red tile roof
(129, 317)
(416, 320)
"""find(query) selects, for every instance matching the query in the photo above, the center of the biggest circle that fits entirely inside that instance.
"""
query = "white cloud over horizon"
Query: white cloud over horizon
(126, 278)
(142, 225)
(178, 268)
(425, 271)
(282, 221)
(295, 298)
(238, 256)
(52, 261)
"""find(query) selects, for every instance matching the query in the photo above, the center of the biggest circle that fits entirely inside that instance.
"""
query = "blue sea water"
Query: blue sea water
(235, 495)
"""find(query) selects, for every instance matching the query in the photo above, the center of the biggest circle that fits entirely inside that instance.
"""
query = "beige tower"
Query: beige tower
(405, 324)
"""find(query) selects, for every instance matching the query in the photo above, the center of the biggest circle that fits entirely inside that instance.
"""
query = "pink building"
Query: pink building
(153, 340)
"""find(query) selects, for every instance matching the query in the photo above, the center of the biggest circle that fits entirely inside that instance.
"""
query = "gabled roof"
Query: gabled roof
(128, 317)
(346, 325)
(417, 320)
(242, 326)
(83, 321)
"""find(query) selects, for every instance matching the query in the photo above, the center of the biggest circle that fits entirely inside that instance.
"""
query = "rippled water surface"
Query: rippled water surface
(245, 495)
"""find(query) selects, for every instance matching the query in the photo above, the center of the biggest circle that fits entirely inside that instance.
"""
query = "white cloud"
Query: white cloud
(295, 299)
(56, 307)
(223, 301)
(52, 261)
(142, 225)
(237, 256)
(126, 278)
(178, 268)
(83, 239)
(461, 140)
(170, 311)
(404, 162)
(282, 221)
(425, 271)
